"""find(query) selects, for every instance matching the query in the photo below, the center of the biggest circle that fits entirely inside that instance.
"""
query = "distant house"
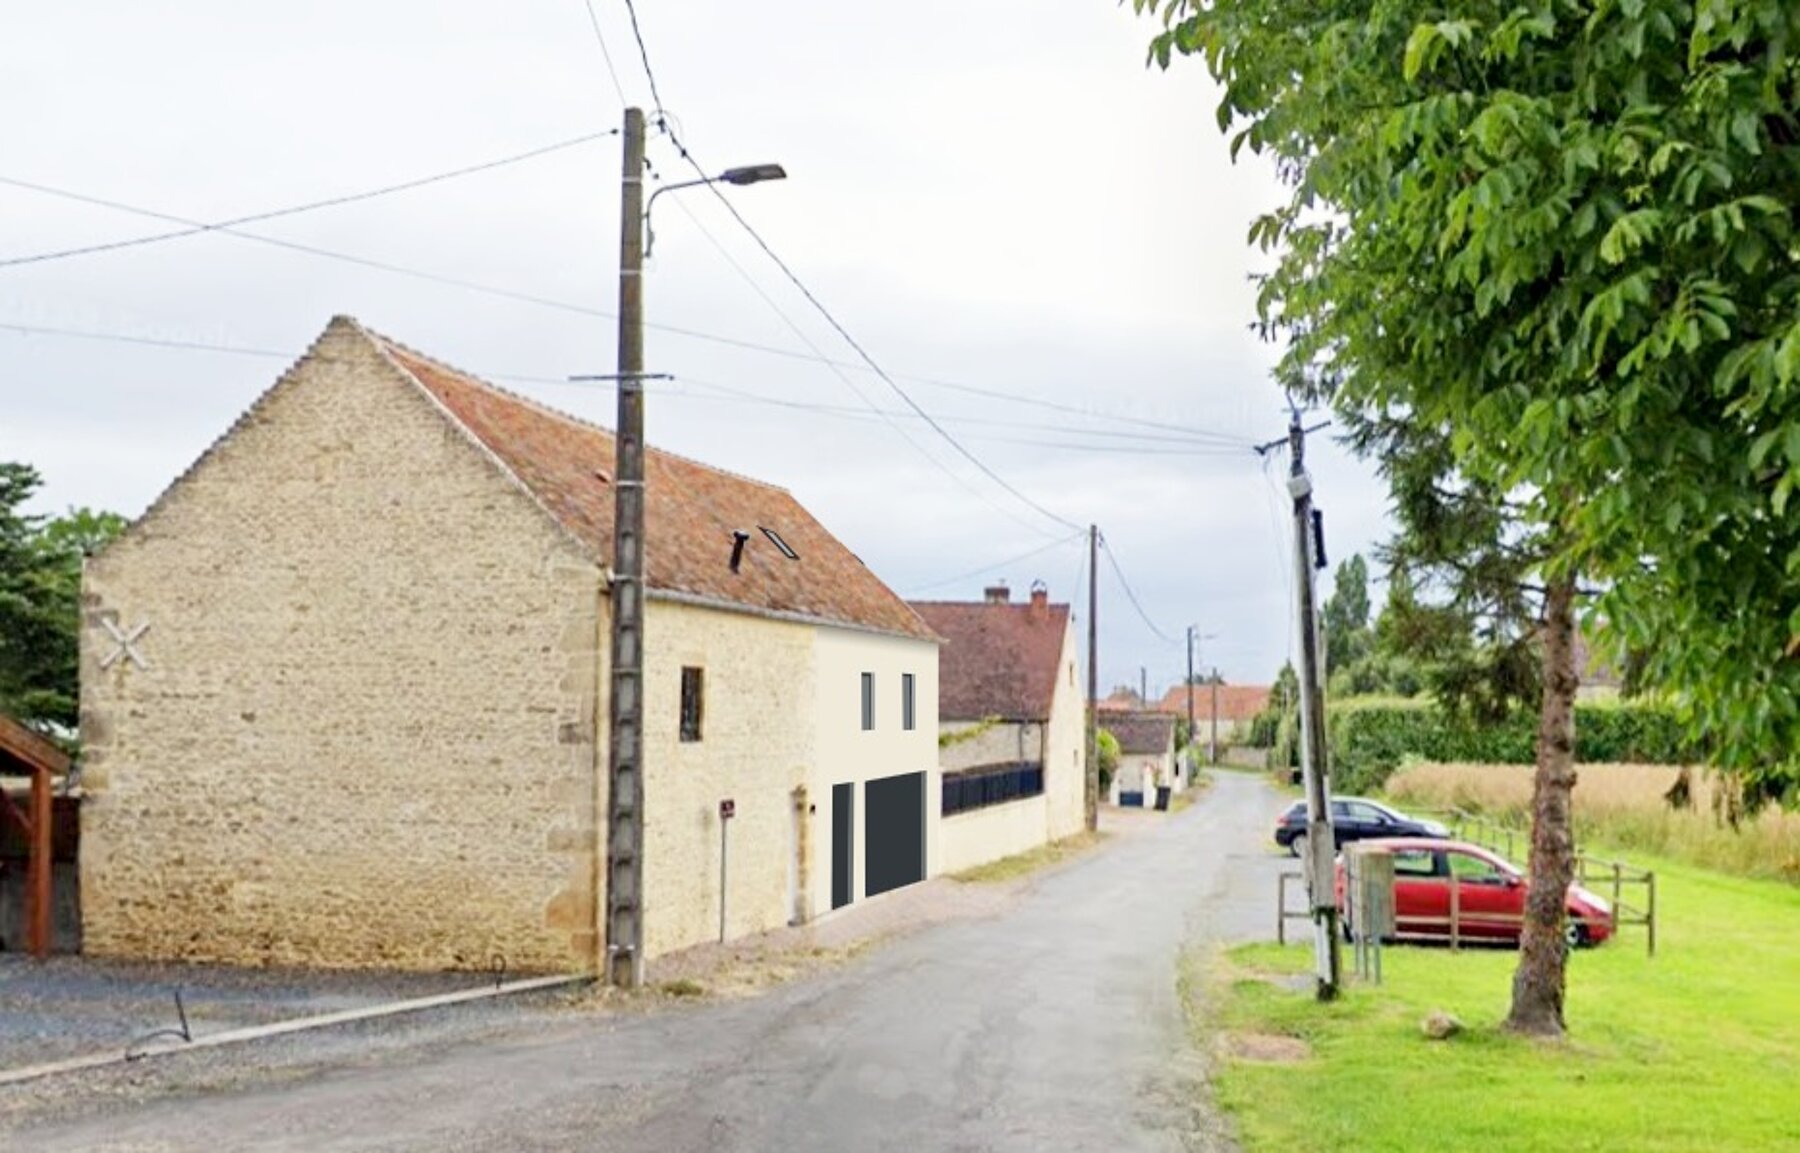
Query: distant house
(345, 690)
(1237, 706)
(1012, 731)
(1146, 757)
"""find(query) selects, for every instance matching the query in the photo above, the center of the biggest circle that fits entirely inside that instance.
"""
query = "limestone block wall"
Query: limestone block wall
(365, 735)
(757, 742)
(991, 744)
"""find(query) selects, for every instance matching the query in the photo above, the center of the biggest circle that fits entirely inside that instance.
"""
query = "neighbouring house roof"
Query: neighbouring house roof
(1120, 703)
(23, 751)
(691, 513)
(1142, 732)
(1236, 702)
(998, 660)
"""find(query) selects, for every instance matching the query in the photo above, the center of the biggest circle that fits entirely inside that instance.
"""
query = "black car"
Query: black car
(1353, 819)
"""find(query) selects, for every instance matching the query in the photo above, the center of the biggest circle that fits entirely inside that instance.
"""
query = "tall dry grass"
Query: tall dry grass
(1622, 807)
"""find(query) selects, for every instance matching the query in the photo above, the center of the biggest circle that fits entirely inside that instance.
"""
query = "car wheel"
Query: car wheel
(1575, 934)
(1297, 846)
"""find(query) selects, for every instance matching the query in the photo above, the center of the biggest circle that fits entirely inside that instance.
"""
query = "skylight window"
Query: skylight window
(775, 539)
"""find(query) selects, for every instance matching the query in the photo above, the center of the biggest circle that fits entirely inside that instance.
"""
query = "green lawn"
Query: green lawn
(1697, 1048)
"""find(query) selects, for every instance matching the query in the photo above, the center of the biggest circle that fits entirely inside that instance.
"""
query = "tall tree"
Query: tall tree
(1561, 232)
(1347, 614)
(40, 600)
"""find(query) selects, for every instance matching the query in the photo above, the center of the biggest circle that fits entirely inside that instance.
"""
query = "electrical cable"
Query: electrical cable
(960, 577)
(856, 346)
(1131, 596)
(195, 228)
(222, 228)
(605, 54)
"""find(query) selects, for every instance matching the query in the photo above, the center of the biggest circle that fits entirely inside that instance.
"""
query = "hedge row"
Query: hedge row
(1369, 738)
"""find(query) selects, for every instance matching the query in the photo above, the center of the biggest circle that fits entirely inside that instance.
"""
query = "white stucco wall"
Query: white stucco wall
(1065, 749)
(844, 752)
(988, 834)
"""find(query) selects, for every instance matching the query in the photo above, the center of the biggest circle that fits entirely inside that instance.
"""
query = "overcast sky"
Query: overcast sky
(997, 196)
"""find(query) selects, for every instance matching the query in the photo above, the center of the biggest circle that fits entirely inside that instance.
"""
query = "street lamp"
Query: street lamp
(623, 963)
(748, 174)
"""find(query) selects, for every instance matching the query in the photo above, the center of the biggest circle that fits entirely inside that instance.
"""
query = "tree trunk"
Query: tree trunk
(1539, 982)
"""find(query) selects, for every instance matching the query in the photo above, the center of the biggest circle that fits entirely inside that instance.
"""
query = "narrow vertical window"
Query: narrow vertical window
(906, 701)
(868, 701)
(693, 703)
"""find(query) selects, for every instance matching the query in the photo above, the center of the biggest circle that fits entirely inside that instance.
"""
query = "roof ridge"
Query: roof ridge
(546, 409)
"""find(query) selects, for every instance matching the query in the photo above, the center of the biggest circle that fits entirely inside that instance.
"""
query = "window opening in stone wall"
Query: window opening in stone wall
(868, 701)
(693, 684)
(906, 701)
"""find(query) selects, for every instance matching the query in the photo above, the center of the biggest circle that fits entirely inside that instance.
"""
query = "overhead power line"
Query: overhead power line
(818, 305)
(194, 228)
(1132, 596)
(868, 360)
(605, 54)
(985, 569)
(644, 55)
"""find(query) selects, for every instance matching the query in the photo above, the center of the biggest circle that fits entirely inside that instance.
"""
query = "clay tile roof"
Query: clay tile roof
(692, 511)
(1142, 732)
(1236, 702)
(998, 660)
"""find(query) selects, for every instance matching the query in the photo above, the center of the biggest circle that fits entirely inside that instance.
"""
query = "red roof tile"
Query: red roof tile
(998, 660)
(691, 512)
(1236, 702)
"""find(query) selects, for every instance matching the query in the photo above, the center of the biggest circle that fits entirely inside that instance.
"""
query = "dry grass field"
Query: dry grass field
(1622, 807)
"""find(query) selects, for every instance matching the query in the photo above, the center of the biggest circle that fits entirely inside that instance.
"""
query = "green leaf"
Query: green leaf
(1418, 46)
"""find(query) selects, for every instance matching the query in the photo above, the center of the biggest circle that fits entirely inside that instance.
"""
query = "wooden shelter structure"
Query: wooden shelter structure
(25, 753)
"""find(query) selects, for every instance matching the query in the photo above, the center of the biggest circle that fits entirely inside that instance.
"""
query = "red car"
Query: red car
(1490, 893)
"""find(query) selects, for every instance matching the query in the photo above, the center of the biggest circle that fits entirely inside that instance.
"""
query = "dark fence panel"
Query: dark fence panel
(991, 785)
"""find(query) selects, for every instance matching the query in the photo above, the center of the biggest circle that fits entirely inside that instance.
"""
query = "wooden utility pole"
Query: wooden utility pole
(1091, 791)
(625, 753)
(1320, 841)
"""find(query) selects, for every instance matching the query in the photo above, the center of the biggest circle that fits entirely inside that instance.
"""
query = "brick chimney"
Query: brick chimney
(1040, 601)
(996, 594)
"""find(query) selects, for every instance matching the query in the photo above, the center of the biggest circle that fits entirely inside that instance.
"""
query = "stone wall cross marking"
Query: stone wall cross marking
(126, 643)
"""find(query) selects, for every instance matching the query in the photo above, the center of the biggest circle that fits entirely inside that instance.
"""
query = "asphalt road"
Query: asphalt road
(1055, 1024)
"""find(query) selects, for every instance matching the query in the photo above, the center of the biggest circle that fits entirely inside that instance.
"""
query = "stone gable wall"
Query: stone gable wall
(366, 735)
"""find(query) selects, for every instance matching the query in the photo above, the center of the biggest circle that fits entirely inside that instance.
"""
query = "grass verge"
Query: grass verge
(1024, 864)
(1696, 1049)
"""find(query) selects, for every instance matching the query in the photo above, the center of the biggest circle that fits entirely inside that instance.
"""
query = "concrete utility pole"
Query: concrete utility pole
(1212, 736)
(1143, 686)
(1190, 683)
(1091, 791)
(625, 766)
(1320, 842)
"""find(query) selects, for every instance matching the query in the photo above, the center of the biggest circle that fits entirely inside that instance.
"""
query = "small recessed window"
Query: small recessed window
(906, 701)
(868, 701)
(787, 550)
(693, 704)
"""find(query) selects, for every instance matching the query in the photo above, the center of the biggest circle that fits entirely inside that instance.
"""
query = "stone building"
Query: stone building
(1013, 735)
(1146, 757)
(344, 690)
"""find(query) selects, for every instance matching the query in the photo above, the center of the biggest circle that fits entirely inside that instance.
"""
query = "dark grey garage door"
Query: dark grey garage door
(893, 832)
